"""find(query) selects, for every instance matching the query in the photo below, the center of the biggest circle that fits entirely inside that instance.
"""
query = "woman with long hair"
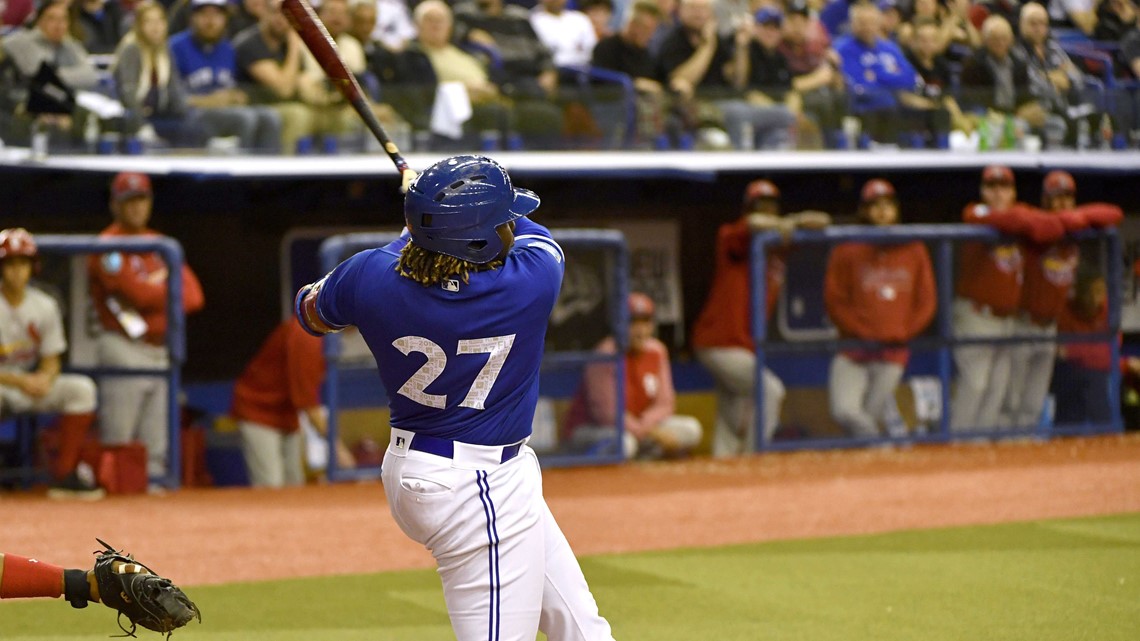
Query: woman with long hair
(150, 87)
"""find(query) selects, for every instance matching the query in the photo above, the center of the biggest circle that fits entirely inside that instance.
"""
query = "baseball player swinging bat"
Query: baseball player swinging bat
(312, 31)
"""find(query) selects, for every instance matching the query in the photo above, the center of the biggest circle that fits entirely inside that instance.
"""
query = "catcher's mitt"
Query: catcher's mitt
(136, 592)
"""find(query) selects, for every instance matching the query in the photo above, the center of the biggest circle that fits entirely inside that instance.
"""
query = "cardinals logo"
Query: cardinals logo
(1007, 258)
(1058, 268)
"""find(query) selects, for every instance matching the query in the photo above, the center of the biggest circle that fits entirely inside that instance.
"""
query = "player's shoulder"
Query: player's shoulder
(39, 299)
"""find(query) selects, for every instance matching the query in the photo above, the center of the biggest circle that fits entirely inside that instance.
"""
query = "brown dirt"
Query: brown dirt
(252, 535)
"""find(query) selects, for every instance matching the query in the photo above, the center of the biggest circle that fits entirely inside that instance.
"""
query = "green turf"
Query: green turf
(1068, 580)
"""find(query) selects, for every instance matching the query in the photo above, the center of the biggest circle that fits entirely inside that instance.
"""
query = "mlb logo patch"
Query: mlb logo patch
(450, 285)
(399, 441)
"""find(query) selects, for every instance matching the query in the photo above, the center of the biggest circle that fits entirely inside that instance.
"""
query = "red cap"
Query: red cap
(1059, 182)
(877, 188)
(640, 306)
(758, 189)
(997, 174)
(16, 241)
(130, 184)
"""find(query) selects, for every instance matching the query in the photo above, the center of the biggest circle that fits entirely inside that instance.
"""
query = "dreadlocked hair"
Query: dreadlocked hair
(429, 268)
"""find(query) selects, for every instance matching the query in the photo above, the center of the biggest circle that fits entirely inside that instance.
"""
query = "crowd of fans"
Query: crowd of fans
(557, 74)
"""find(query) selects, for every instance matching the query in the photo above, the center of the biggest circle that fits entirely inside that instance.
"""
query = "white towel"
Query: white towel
(451, 109)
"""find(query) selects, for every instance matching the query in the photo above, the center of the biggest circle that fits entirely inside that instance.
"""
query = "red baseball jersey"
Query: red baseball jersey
(283, 378)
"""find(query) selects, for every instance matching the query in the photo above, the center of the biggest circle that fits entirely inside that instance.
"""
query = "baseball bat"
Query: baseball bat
(316, 37)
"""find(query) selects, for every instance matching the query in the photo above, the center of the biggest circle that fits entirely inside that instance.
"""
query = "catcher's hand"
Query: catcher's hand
(136, 592)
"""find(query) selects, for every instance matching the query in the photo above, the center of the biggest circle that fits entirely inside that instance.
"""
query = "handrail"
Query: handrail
(171, 252)
(943, 259)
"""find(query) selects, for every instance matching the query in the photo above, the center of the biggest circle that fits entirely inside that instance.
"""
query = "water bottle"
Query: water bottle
(1106, 133)
(91, 133)
(747, 137)
(39, 140)
(1083, 135)
(985, 138)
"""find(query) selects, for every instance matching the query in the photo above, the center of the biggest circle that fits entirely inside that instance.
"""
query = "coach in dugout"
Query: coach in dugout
(987, 294)
(1050, 270)
(875, 292)
(652, 429)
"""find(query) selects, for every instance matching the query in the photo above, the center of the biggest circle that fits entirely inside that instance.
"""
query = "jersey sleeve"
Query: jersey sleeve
(52, 339)
(535, 243)
(336, 298)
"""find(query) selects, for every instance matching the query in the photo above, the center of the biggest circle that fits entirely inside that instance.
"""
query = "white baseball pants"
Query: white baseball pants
(507, 569)
(1031, 371)
(983, 370)
(860, 393)
(734, 370)
(134, 407)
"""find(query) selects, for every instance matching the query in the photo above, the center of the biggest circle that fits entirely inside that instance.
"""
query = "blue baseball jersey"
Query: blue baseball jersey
(204, 69)
(459, 360)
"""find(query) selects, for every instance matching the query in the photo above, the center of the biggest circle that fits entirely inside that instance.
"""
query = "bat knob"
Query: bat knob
(406, 178)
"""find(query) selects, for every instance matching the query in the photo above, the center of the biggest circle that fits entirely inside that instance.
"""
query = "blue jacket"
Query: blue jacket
(875, 73)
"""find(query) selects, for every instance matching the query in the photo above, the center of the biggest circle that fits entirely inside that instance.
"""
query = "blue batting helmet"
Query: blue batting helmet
(454, 207)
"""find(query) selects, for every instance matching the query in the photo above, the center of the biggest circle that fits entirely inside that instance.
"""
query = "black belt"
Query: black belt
(446, 448)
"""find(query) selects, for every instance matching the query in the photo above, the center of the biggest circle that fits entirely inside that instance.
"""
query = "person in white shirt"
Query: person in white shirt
(394, 26)
(568, 33)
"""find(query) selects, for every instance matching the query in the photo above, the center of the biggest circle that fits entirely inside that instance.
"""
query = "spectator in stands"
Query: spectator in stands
(770, 78)
(731, 15)
(207, 64)
(394, 26)
(281, 383)
(875, 292)
(951, 19)
(150, 87)
(567, 33)
(652, 428)
(711, 72)
(32, 341)
(628, 52)
(1053, 78)
(891, 18)
(407, 80)
(668, 23)
(982, 9)
(876, 72)
(46, 42)
(490, 111)
(129, 291)
(835, 17)
(1114, 19)
(600, 13)
(1049, 272)
(987, 294)
(247, 13)
(995, 80)
(722, 335)
(815, 69)
(272, 70)
(100, 24)
(1070, 14)
(935, 107)
(527, 77)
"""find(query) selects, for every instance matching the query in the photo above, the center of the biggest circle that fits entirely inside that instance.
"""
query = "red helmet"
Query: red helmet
(1059, 183)
(640, 306)
(758, 190)
(876, 188)
(17, 241)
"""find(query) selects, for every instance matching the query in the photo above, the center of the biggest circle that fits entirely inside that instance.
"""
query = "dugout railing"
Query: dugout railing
(941, 241)
(341, 373)
(171, 252)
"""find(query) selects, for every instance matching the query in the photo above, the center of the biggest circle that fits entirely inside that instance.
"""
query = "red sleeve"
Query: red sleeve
(1101, 214)
(123, 281)
(305, 367)
(192, 297)
(926, 292)
(837, 293)
(735, 241)
(1018, 220)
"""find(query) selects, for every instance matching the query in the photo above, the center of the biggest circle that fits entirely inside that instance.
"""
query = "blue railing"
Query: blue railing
(171, 252)
(942, 238)
(335, 249)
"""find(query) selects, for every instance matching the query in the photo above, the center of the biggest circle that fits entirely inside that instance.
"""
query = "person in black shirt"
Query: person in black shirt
(933, 108)
(770, 77)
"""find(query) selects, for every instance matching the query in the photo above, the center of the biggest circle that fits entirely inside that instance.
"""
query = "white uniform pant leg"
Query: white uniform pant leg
(569, 611)
(1031, 371)
(848, 384)
(683, 430)
(484, 528)
(261, 447)
(134, 406)
(884, 381)
(734, 370)
(983, 370)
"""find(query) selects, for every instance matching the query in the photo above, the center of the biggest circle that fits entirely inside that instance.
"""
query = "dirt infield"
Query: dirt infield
(249, 535)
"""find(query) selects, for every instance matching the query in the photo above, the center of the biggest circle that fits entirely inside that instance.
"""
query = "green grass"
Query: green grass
(1067, 580)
